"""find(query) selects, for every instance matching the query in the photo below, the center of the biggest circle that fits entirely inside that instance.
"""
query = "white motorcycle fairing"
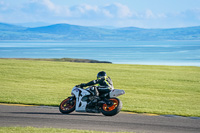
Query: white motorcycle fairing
(80, 93)
(116, 92)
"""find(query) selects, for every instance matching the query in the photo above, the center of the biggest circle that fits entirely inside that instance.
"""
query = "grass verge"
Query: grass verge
(149, 89)
(44, 130)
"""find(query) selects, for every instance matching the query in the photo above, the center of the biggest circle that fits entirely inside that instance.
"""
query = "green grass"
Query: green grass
(44, 130)
(149, 89)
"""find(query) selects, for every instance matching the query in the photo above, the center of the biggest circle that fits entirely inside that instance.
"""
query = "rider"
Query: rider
(104, 82)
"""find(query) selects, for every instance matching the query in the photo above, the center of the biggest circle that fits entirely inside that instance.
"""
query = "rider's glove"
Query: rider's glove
(77, 85)
(82, 85)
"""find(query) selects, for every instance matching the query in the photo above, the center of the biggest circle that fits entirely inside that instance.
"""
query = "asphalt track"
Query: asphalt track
(41, 116)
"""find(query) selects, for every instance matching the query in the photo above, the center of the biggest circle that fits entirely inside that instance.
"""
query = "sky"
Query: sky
(103, 13)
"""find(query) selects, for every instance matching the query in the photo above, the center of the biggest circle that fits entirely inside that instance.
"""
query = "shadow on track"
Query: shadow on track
(45, 113)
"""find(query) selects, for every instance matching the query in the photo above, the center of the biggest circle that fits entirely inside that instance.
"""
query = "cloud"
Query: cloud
(4, 7)
(41, 9)
(42, 6)
(123, 11)
(114, 14)
(83, 11)
(51, 6)
(116, 10)
(86, 8)
(149, 14)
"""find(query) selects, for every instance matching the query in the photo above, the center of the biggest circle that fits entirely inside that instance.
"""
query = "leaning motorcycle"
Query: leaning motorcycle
(84, 100)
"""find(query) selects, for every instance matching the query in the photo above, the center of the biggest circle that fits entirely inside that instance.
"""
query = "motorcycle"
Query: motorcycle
(84, 100)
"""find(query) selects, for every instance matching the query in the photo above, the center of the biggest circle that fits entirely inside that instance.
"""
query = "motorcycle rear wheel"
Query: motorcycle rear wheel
(67, 106)
(112, 110)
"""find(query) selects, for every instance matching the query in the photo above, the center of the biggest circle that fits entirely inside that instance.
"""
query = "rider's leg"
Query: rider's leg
(96, 92)
(104, 94)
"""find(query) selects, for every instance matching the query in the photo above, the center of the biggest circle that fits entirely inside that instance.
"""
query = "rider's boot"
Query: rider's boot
(108, 102)
(96, 98)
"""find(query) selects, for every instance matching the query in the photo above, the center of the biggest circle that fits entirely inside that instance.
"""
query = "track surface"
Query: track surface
(38, 116)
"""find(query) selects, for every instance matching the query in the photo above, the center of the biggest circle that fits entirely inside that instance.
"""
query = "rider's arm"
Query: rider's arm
(93, 82)
(88, 84)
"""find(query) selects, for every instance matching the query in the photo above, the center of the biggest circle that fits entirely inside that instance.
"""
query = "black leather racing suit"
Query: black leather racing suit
(105, 84)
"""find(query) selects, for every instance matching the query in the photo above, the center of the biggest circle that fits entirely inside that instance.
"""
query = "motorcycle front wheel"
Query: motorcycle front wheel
(112, 110)
(68, 105)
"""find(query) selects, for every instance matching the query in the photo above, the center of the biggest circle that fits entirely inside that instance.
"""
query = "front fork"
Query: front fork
(71, 100)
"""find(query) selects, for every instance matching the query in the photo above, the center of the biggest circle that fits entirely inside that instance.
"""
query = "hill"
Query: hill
(9, 27)
(63, 32)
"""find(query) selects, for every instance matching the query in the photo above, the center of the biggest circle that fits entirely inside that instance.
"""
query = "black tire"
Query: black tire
(68, 105)
(112, 110)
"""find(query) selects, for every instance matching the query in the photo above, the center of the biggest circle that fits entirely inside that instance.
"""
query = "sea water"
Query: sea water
(182, 53)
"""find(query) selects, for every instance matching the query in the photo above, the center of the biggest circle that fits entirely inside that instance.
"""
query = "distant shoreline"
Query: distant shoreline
(96, 61)
(66, 41)
(62, 60)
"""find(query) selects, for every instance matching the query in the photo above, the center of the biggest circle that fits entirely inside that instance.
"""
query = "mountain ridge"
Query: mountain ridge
(66, 32)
